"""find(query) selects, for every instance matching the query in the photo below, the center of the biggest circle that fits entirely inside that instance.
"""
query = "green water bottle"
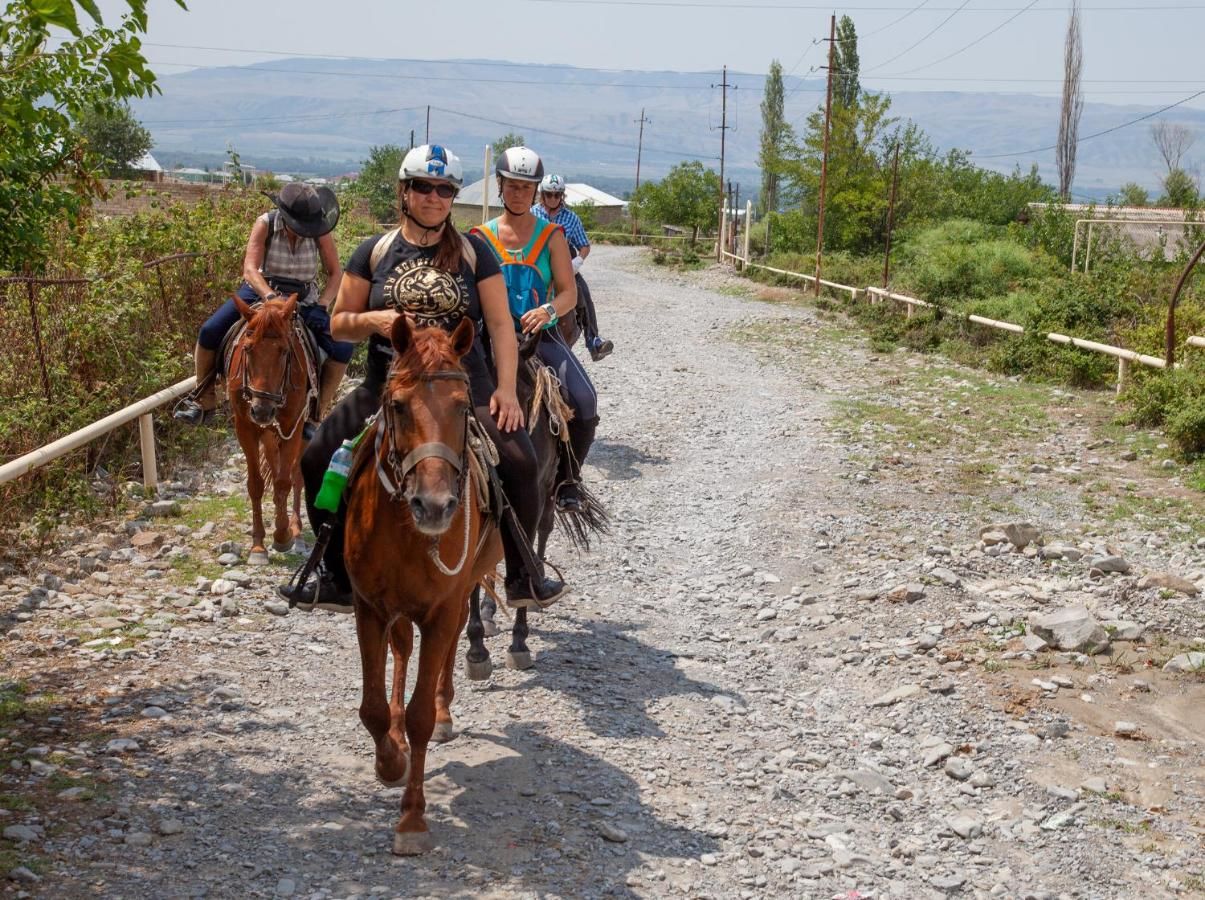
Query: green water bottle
(335, 478)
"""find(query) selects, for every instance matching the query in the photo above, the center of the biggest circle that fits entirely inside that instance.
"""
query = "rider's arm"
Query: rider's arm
(496, 311)
(253, 258)
(565, 300)
(334, 271)
(351, 319)
(583, 251)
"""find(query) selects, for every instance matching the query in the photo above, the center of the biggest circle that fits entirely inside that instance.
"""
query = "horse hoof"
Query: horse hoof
(412, 843)
(443, 732)
(519, 661)
(479, 671)
(395, 782)
(282, 546)
(257, 558)
(490, 628)
(299, 547)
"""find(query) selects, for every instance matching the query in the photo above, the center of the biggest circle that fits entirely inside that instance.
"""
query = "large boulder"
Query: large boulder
(1072, 628)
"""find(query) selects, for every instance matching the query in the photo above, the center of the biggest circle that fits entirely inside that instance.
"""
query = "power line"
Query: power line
(426, 62)
(1099, 133)
(928, 35)
(1163, 7)
(977, 40)
(570, 137)
(406, 77)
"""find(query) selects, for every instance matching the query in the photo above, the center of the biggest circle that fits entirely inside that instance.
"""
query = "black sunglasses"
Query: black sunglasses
(442, 188)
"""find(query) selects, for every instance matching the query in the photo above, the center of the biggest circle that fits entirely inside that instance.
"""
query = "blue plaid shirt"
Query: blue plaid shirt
(575, 234)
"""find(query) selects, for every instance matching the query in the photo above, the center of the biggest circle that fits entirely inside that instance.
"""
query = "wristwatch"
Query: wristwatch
(271, 296)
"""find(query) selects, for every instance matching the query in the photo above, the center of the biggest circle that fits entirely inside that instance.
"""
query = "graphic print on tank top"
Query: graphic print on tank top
(434, 297)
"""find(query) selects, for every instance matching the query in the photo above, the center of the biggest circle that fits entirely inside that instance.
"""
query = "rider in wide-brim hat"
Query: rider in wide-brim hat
(285, 250)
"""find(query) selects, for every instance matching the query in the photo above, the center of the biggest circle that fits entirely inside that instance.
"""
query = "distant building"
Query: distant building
(148, 168)
(607, 209)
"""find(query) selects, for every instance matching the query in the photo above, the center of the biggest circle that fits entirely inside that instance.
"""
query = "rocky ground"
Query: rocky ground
(867, 625)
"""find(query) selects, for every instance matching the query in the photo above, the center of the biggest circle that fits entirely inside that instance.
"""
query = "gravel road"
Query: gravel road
(794, 668)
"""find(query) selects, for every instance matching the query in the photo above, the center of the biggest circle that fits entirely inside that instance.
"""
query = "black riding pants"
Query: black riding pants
(587, 317)
(516, 465)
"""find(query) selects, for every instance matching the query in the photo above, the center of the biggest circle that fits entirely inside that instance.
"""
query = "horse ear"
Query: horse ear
(290, 307)
(244, 310)
(401, 336)
(463, 336)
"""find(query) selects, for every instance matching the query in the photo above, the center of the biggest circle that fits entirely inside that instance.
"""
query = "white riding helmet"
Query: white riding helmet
(521, 164)
(552, 184)
(433, 163)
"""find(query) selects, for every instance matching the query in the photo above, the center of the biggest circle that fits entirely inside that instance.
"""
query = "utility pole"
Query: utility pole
(736, 215)
(728, 217)
(895, 180)
(639, 148)
(723, 133)
(428, 140)
(411, 138)
(828, 112)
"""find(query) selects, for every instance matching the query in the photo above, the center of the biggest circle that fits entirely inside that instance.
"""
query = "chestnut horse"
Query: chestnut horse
(268, 384)
(411, 514)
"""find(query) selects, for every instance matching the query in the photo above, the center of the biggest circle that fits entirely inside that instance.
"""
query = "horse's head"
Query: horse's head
(267, 356)
(426, 407)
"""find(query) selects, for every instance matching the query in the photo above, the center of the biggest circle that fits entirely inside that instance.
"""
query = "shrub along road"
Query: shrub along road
(795, 668)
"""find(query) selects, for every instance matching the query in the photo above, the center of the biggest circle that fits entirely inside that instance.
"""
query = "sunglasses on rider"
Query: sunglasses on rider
(444, 190)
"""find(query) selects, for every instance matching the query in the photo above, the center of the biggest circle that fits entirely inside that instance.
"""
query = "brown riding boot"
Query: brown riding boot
(202, 409)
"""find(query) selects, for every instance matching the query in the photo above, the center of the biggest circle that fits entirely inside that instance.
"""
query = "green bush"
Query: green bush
(960, 260)
(1174, 400)
(1186, 426)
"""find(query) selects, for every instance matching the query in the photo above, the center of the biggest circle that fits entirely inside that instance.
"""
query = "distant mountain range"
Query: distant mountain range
(321, 116)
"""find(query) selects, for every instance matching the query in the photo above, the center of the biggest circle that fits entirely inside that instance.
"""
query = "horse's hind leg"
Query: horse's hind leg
(477, 663)
(392, 764)
(489, 607)
(295, 520)
(445, 690)
(255, 491)
(518, 656)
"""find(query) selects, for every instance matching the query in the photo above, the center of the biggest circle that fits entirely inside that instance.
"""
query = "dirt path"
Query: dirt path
(793, 670)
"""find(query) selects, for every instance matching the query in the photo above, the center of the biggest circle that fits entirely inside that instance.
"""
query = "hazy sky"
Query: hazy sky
(1134, 51)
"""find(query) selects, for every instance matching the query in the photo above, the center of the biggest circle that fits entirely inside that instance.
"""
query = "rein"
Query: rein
(400, 469)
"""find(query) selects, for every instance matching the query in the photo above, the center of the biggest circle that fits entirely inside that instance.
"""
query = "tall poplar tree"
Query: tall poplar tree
(846, 86)
(774, 135)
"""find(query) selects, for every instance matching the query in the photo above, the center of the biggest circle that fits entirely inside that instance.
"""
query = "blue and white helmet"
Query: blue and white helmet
(552, 184)
(520, 164)
(432, 163)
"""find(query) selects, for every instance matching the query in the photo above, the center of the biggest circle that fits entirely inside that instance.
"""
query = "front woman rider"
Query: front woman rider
(518, 230)
(424, 273)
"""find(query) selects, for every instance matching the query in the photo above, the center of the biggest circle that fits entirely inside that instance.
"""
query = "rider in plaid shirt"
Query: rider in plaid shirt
(552, 207)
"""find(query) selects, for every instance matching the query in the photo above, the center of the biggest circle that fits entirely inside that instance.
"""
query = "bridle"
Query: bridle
(275, 399)
(400, 470)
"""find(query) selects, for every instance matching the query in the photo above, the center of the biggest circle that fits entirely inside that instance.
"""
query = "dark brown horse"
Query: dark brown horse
(416, 544)
(268, 384)
(547, 421)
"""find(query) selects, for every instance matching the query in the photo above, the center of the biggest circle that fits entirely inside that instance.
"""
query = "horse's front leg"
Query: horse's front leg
(477, 663)
(392, 765)
(401, 642)
(295, 519)
(283, 457)
(438, 641)
(248, 438)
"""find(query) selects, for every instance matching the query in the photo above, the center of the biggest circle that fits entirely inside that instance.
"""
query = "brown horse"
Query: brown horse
(410, 507)
(268, 384)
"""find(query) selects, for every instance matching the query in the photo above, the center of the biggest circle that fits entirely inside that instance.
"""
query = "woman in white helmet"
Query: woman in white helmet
(519, 236)
(427, 270)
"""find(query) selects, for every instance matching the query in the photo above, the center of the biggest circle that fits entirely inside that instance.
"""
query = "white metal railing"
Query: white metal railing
(1124, 356)
(141, 411)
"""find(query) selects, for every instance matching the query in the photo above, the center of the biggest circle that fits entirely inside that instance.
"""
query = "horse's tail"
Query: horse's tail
(584, 523)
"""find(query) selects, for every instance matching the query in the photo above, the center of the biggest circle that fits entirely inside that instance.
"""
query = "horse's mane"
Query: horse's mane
(269, 319)
(429, 350)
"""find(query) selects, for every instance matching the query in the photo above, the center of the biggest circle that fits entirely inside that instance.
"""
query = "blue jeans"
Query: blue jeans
(315, 317)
